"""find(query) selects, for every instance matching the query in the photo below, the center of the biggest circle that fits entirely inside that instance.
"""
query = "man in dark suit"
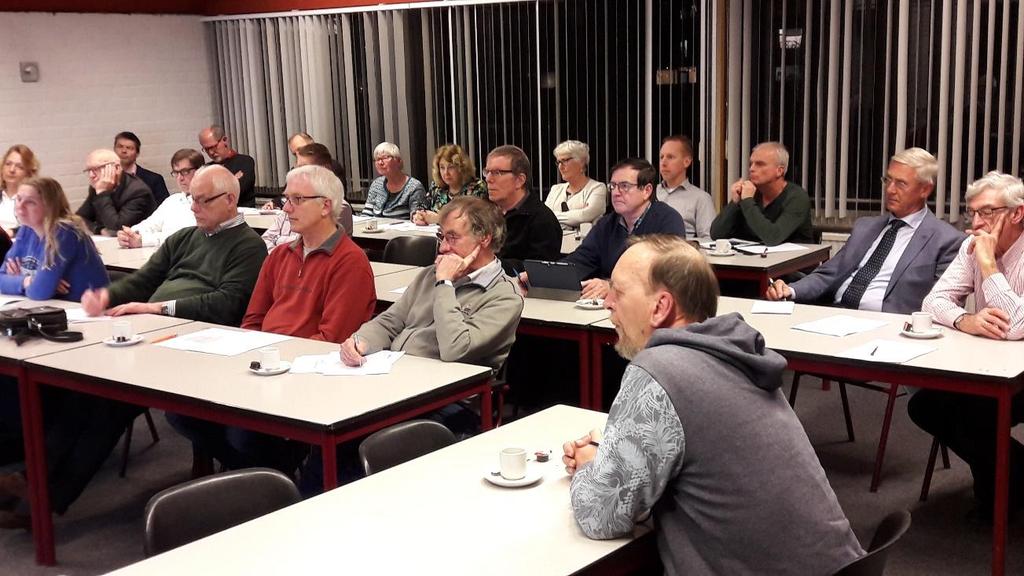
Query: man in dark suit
(127, 146)
(115, 199)
(890, 262)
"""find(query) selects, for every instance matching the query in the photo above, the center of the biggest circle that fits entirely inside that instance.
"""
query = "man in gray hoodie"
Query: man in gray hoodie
(700, 435)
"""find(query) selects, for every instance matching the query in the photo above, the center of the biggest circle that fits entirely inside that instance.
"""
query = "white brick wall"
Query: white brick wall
(101, 74)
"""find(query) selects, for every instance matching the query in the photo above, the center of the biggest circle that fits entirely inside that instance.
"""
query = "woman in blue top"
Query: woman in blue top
(395, 194)
(53, 255)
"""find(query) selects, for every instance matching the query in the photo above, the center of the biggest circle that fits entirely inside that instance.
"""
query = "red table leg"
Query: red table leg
(330, 461)
(35, 468)
(486, 406)
(1002, 482)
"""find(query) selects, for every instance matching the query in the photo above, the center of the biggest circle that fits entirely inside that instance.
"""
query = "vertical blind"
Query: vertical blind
(617, 74)
(846, 84)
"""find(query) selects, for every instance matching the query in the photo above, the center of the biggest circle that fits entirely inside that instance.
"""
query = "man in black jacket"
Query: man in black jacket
(116, 199)
(128, 146)
(533, 230)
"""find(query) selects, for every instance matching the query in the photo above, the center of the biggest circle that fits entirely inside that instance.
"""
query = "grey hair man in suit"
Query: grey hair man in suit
(890, 262)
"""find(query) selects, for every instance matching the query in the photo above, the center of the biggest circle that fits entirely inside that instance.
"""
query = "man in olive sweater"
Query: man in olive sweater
(203, 273)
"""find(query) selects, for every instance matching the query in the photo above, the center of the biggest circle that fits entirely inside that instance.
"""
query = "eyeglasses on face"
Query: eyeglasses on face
(985, 213)
(622, 186)
(298, 199)
(450, 237)
(213, 146)
(563, 161)
(95, 169)
(901, 185)
(495, 172)
(207, 201)
(183, 172)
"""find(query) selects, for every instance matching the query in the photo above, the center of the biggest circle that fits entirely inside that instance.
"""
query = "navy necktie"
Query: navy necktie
(864, 276)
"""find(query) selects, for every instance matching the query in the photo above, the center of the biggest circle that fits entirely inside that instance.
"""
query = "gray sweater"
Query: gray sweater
(474, 322)
(701, 436)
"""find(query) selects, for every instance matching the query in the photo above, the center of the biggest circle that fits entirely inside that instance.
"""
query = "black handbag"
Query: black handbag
(48, 322)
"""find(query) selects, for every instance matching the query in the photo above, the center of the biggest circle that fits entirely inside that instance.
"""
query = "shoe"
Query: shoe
(15, 521)
(14, 485)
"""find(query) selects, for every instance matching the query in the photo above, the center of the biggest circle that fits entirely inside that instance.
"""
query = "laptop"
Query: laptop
(553, 280)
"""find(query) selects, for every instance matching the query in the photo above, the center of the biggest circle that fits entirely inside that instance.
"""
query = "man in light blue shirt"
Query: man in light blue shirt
(676, 190)
(890, 262)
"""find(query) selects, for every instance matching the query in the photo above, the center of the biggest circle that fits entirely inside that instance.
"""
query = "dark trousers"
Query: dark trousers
(238, 448)
(967, 426)
(81, 432)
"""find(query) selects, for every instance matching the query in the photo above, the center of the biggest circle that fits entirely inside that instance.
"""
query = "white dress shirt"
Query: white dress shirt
(172, 215)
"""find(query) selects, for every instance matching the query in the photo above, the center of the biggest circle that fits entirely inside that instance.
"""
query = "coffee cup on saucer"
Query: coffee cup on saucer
(722, 246)
(270, 359)
(512, 463)
(920, 322)
(371, 225)
(121, 331)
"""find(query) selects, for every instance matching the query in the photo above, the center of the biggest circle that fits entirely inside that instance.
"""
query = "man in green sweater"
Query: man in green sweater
(765, 207)
(204, 273)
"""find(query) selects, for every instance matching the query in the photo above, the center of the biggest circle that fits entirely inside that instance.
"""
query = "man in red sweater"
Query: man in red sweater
(319, 286)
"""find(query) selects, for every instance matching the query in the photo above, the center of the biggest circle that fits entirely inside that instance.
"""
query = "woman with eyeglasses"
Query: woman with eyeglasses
(19, 163)
(580, 199)
(395, 194)
(53, 254)
(454, 175)
(174, 213)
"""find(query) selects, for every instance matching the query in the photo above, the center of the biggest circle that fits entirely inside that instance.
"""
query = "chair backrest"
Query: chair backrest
(411, 250)
(889, 531)
(199, 508)
(401, 443)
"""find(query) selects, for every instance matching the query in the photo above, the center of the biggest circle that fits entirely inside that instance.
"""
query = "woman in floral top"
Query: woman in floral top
(451, 170)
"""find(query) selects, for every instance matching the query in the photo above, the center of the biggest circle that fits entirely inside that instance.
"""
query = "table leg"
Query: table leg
(1002, 482)
(586, 386)
(762, 285)
(329, 451)
(596, 372)
(486, 406)
(35, 469)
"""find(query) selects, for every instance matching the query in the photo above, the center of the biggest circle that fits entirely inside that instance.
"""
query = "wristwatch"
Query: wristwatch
(956, 323)
(440, 282)
(165, 310)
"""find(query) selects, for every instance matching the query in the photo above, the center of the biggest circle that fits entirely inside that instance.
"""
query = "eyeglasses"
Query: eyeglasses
(449, 237)
(185, 172)
(212, 146)
(622, 186)
(383, 158)
(206, 201)
(297, 199)
(561, 161)
(901, 185)
(93, 169)
(985, 213)
(489, 172)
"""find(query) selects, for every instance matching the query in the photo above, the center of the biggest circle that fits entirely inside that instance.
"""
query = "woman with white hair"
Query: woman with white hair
(395, 194)
(580, 199)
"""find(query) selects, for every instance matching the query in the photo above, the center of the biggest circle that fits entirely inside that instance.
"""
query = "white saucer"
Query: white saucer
(590, 303)
(533, 474)
(129, 342)
(935, 332)
(281, 369)
(721, 254)
(377, 231)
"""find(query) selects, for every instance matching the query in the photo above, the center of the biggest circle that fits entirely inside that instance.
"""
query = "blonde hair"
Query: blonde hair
(28, 161)
(453, 155)
(57, 211)
(924, 164)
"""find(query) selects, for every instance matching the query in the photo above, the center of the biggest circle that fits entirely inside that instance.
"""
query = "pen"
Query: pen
(355, 340)
(595, 444)
(164, 338)
(875, 350)
(765, 253)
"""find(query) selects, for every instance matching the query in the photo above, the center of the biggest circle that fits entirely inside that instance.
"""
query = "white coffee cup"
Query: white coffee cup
(270, 358)
(121, 331)
(371, 225)
(722, 246)
(921, 322)
(513, 463)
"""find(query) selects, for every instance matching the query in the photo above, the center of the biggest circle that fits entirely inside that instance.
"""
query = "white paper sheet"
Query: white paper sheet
(331, 364)
(223, 342)
(78, 316)
(398, 290)
(247, 210)
(769, 307)
(357, 218)
(891, 351)
(710, 244)
(760, 248)
(412, 227)
(840, 325)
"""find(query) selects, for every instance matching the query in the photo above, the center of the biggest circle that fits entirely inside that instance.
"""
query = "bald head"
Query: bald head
(215, 143)
(214, 196)
(101, 165)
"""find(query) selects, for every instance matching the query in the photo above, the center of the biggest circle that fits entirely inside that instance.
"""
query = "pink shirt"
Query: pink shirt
(1001, 290)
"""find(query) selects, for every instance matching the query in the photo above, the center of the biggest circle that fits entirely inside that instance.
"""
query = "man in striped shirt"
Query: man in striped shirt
(990, 265)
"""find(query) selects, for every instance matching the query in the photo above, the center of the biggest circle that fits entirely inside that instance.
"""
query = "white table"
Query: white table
(432, 515)
(320, 410)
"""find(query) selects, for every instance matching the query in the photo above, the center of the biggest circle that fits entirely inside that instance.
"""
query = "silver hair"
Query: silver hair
(387, 149)
(574, 149)
(781, 154)
(222, 179)
(924, 164)
(324, 183)
(1010, 188)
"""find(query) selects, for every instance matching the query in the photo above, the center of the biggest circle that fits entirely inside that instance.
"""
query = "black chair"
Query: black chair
(128, 439)
(199, 508)
(411, 250)
(401, 443)
(926, 484)
(889, 531)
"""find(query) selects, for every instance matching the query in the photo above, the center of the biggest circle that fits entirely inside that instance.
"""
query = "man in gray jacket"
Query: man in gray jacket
(890, 262)
(700, 435)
